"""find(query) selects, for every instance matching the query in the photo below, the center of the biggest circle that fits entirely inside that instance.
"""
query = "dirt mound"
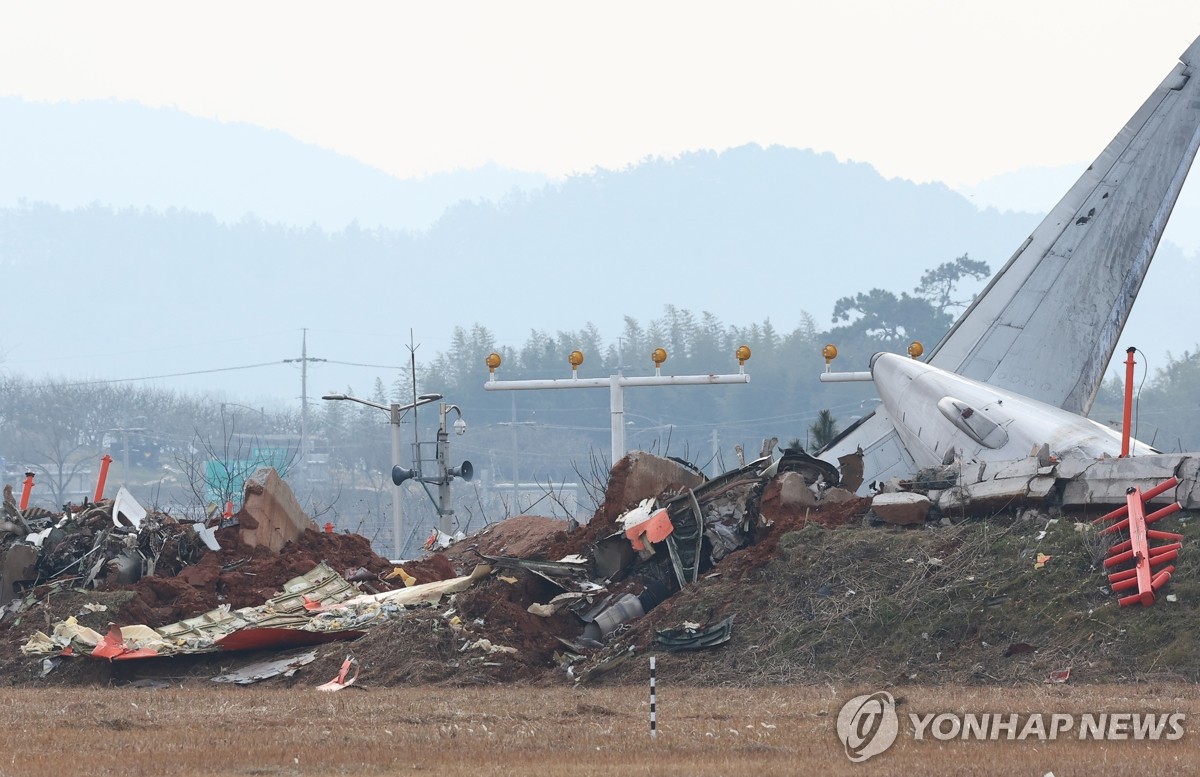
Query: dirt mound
(815, 595)
(943, 604)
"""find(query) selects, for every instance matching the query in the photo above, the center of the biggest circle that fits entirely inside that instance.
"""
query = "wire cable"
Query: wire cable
(171, 375)
(1137, 399)
(374, 366)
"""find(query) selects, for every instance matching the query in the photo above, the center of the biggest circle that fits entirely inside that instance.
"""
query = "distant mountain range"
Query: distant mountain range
(142, 213)
(124, 154)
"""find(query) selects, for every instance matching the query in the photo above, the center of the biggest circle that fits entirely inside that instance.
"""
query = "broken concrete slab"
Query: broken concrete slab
(649, 476)
(1105, 481)
(837, 496)
(1188, 492)
(794, 491)
(901, 508)
(784, 494)
(271, 516)
(1021, 468)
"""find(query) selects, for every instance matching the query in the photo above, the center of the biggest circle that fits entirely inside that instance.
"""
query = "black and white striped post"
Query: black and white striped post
(653, 720)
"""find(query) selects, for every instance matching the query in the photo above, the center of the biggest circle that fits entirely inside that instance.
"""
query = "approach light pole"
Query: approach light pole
(395, 412)
(616, 385)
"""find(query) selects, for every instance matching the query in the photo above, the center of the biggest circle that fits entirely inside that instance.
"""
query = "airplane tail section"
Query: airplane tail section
(1048, 322)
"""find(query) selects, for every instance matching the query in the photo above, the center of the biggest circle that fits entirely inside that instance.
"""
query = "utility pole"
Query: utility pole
(304, 360)
(125, 454)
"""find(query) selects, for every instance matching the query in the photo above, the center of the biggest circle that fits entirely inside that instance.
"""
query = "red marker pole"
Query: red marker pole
(25, 491)
(104, 462)
(1125, 421)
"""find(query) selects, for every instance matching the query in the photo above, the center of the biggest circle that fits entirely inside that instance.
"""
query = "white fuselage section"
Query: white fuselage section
(935, 411)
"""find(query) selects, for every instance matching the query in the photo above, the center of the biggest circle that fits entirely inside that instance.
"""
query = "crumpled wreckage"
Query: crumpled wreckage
(666, 542)
(113, 542)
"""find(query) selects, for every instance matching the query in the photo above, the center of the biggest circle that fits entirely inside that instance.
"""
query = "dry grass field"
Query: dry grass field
(559, 731)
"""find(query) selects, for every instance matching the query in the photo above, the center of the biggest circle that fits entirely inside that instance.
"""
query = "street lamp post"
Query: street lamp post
(395, 412)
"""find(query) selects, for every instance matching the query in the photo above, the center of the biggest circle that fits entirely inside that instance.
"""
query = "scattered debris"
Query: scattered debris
(342, 681)
(901, 508)
(663, 566)
(265, 670)
(693, 636)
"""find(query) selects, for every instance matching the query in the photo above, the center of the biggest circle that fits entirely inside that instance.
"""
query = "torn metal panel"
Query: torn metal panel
(207, 535)
(695, 637)
(655, 528)
(265, 670)
(569, 576)
(612, 555)
(273, 638)
(686, 542)
(210, 631)
(814, 470)
(427, 593)
(320, 584)
(127, 511)
(117, 646)
(342, 681)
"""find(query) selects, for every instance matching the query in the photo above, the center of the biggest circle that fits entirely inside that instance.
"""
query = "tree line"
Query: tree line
(60, 429)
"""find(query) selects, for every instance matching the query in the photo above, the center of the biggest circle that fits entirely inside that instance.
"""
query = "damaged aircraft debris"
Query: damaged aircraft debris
(580, 590)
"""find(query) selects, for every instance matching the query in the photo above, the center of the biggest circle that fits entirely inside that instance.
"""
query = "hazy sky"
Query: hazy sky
(925, 89)
(957, 91)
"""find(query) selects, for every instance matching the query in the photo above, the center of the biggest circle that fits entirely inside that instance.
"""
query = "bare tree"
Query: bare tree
(215, 471)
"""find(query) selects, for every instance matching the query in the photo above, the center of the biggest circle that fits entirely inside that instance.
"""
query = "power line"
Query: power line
(227, 369)
(171, 375)
(374, 366)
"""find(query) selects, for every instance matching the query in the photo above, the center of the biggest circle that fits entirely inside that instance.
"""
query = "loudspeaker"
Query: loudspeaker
(400, 474)
(465, 471)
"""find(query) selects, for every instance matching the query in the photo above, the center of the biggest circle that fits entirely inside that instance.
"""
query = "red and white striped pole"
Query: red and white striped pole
(653, 717)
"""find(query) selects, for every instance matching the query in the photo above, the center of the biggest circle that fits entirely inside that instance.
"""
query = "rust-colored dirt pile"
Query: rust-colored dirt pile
(244, 576)
(753, 577)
